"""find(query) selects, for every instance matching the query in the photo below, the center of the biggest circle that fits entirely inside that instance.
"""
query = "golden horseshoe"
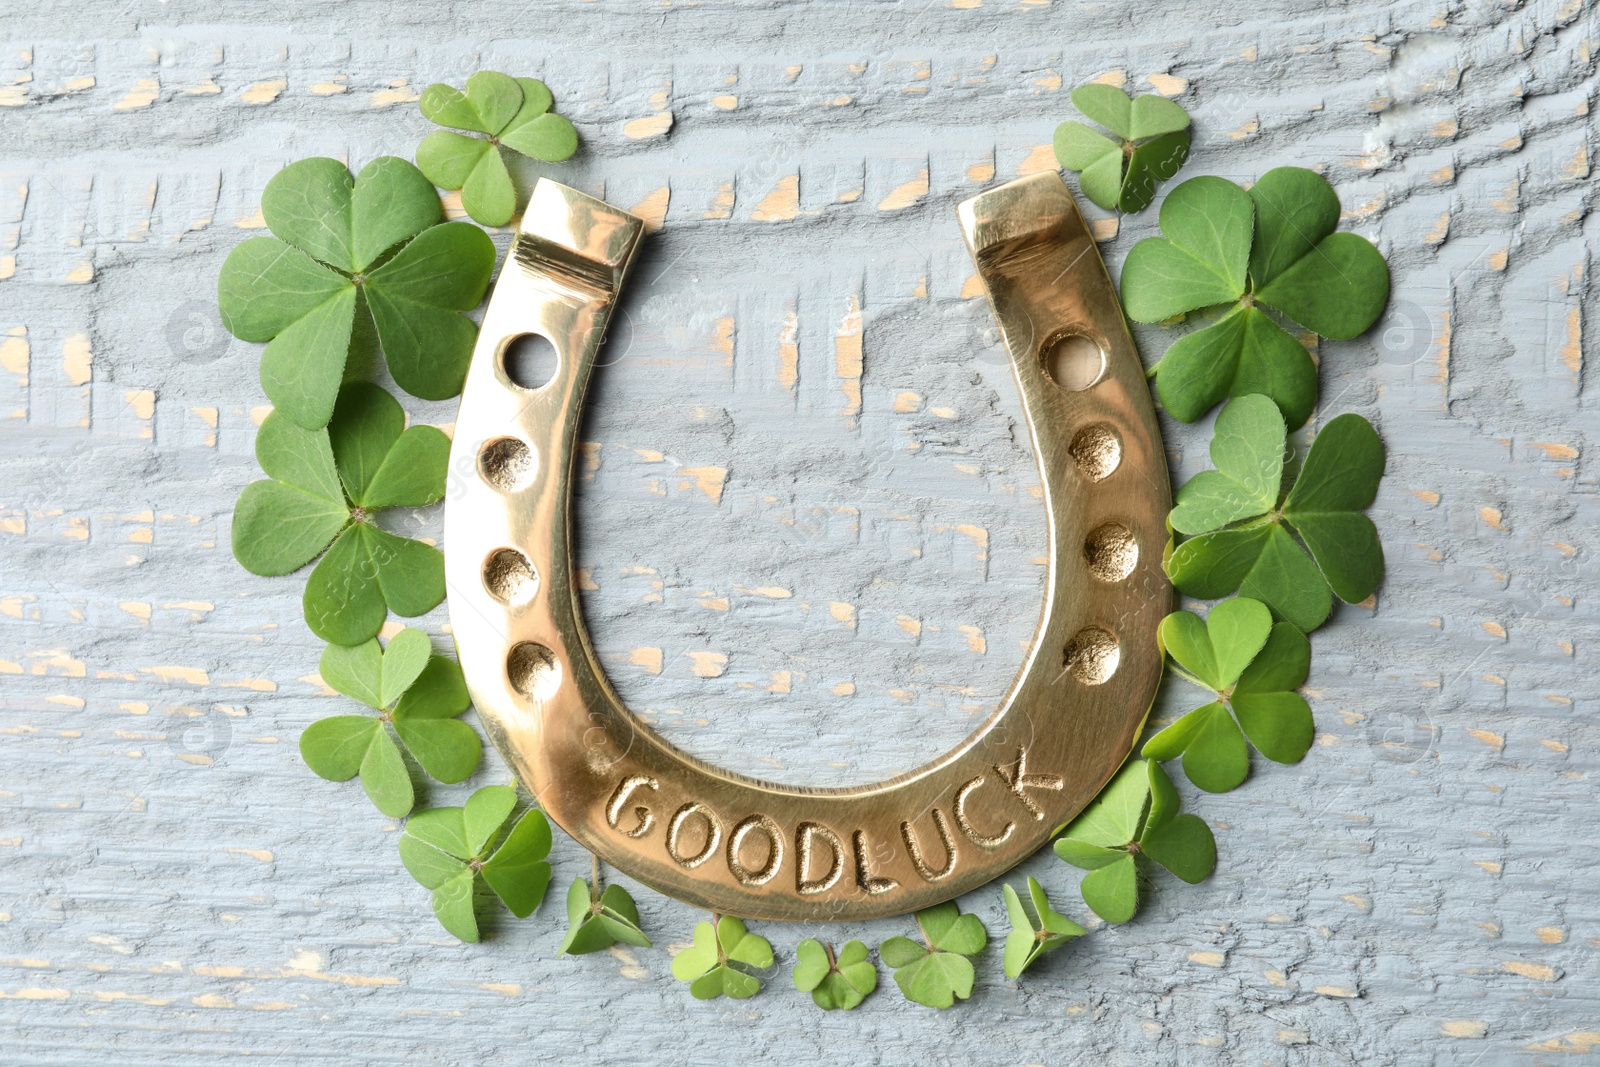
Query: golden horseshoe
(758, 849)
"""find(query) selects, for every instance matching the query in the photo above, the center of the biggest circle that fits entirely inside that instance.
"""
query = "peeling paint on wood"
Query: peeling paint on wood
(809, 528)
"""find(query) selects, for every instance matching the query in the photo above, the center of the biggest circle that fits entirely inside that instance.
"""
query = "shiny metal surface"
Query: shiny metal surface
(765, 850)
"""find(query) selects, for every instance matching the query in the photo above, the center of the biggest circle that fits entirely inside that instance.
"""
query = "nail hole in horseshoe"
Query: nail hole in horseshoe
(1111, 552)
(1074, 361)
(529, 360)
(533, 671)
(508, 464)
(1097, 450)
(510, 577)
(1092, 656)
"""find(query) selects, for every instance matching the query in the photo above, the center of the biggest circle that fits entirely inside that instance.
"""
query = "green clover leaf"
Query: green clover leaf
(1272, 247)
(510, 112)
(1033, 935)
(447, 850)
(721, 961)
(419, 696)
(1122, 175)
(1253, 668)
(598, 921)
(1241, 533)
(1135, 817)
(322, 489)
(938, 971)
(841, 981)
(355, 263)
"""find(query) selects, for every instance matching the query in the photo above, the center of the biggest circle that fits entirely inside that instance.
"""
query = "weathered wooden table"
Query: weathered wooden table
(810, 536)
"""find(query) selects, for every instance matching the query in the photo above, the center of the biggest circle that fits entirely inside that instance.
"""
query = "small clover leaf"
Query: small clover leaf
(841, 981)
(721, 961)
(938, 971)
(596, 922)
(1253, 668)
(1033, 935)
(447, 850)
(355, 262)
(1134, 817)
(1122, 175)
(510, 112)
(1241, 534)
(377, 676)
(1272, 247)
(418, 696)
(322, 488)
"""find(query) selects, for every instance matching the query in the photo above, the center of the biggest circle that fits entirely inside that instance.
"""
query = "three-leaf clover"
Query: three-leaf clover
(1253, 668)
(1135, 816)
(841, 981)
(447, 850)
(1033, 935)
(1122, 175)
(418, 695)
(598, 922)
(510, 112)
(355, 263)
(1242, 522)
(1333, 284)
(938, 971)
(721, 959)
(322, 488)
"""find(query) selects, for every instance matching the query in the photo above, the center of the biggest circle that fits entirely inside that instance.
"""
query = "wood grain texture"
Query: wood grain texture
(810, 529)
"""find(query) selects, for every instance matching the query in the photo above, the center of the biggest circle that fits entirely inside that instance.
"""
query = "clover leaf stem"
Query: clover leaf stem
(716, 939)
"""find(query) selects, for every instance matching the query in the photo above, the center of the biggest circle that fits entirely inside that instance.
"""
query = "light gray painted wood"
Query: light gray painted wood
(175, 887)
